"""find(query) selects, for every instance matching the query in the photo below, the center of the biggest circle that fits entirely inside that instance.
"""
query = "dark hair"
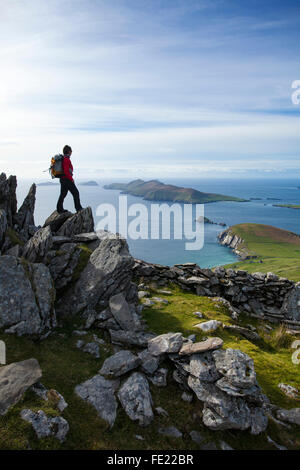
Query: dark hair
(67, 150)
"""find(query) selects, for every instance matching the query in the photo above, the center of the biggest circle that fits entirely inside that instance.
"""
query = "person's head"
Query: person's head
(67, 150)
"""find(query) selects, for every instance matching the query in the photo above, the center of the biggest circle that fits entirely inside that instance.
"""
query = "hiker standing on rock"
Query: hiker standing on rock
(67, 182)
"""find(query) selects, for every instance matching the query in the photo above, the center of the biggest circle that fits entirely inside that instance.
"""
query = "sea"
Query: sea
(264, 193)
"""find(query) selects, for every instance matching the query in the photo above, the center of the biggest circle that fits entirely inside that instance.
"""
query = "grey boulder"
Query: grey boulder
(120, 363)
(100, 393)
(291, 305)
(122, 313)
(166, 343)
(46, 426)
(37, 246)
(136, 399)
(26, 297)
(108, 271)
(15, 379)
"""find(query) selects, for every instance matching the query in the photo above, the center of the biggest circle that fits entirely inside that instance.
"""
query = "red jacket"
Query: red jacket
(68, 169)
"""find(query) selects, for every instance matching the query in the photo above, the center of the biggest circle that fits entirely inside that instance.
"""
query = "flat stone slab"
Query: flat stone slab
(120, 363)
(15, 379)
(202, 346)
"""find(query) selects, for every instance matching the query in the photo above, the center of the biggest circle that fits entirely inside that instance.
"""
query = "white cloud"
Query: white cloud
(127, 87)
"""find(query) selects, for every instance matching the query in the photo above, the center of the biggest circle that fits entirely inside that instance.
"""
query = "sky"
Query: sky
(150, 88)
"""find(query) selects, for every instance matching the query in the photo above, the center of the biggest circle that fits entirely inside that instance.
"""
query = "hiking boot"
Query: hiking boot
(62, 211)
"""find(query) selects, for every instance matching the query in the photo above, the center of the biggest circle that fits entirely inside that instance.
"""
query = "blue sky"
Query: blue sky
(150, 88)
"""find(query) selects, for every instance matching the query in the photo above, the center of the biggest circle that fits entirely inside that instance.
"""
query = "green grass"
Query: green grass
(277, 250)
(64, 367)
(288, 206)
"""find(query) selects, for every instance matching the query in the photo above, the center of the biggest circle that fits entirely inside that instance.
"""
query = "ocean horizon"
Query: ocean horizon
(264, 193)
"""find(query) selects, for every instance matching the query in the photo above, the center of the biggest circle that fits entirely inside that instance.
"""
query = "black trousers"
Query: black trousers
(65, 186)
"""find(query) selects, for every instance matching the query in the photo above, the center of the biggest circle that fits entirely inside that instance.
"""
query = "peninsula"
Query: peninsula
(156, 191)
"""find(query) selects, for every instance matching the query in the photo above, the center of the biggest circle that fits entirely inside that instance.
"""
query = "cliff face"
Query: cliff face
(233, 241)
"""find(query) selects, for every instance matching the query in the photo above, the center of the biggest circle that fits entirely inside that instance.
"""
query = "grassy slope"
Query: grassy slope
(64, 366)
(279, 250)
(289, 206)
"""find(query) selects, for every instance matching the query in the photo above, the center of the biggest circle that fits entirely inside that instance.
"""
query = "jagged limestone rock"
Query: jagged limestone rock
(3, 226)
(108, 271)
(81, 222)
(56, 220)
(8, 199)
(233, 401)
(15, 379)
(26, 297)
(202, 366)
(122, 313)
(24, 218)
(38, 246)
(46, 426)
(149, 363)
(100, 393)
(166, 343)
(135, 397)
(63, 263)
(120, 363)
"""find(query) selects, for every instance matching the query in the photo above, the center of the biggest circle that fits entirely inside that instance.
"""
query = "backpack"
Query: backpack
(56, 166)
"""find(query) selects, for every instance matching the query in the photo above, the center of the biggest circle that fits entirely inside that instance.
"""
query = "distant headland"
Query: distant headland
(156, 191)
(89, 183)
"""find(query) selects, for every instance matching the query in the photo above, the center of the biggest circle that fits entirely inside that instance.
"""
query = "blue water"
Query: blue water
(172, 251)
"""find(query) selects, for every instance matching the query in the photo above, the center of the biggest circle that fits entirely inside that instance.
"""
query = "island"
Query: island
(47, 183)
(206, 220)
(156, 191)
(288, 206)
(89, 183)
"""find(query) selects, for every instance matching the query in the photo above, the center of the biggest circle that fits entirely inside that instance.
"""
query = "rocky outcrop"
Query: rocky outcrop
(56, 220)
(3, 226)
(81, 222)
(229, 390)
(38, 246)
(108, 271)
(258, 294)
(8, 199)
(15, 379)
(63, 263)
(24, 218)
(233, 241)
(26, 296)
